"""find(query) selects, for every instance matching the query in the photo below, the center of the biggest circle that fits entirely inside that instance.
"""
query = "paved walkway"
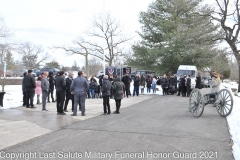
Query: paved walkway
(22, 124)
(149, 127)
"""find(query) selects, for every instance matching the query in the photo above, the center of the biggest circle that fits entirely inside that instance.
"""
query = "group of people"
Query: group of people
(76, 90)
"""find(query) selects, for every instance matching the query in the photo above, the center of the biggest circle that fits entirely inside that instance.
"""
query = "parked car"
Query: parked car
(19, 73)
(54, 70)
(206, 81)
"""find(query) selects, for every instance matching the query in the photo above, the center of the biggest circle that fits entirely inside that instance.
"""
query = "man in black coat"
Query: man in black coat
(106, 92)
(51, 86)
(188, 85)
(30, 85)
(60, 92)
(24, 90)
(69, 96)
(136, 85)
(198, 81)
(183, 85)
(127, 80)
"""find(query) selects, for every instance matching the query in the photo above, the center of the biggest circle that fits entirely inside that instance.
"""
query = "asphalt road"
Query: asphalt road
(157, 128)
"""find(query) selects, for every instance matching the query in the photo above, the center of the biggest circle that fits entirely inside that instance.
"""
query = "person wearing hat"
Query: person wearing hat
(215, 82)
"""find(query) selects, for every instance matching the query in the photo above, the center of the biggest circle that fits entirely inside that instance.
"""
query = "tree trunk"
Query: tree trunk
(238, 75)
(237, 56)
(86, 64)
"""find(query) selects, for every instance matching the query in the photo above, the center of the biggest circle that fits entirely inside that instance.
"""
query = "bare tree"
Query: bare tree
(4, 31)
(79, 47)
(94, 66)
(32, 55)
(228, 16)
(110, 31)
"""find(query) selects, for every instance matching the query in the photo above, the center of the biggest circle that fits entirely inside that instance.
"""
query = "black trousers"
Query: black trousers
(127, 90)
(29, 97)
(24, 98)
(50, 91)
(69, 96)
(118, 104)
(188, 90)
(106, 105)
(60, 100)
(183, 90)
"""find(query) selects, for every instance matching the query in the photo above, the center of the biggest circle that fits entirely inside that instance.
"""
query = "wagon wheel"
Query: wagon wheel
(196, 103)
(224, 102)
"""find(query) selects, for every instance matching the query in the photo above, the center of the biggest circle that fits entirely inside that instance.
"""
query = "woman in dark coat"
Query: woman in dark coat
(198, 82)
(118, 93)
(51, 86)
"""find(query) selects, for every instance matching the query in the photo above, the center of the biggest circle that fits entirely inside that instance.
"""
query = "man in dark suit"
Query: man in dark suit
(60, 92)
(29, 85)
(127, 80)
(69, 96)
(79, 88)
(24, 90)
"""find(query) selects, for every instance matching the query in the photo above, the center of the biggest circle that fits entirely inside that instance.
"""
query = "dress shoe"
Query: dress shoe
(115, 112)
(61, 113)
(83, 114)
(73, 114)
(109, 113)
(65, 110)
(33, 107)
(27, 107)
(104, 114)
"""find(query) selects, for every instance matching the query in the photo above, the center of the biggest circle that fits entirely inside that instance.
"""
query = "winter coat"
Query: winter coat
(38, 89)
(188, 83)
(215, 84)
(149, 81)
(29, 83)
(165, 83)
(23, 82)
(44, 84)
(183, 81)
(198, 82)
(68, 84)
(118, 89)
(142, 81)
(51, 81)
(126, 80)
(60, 83)
(106, 88)
(93, 85)
(136, 81)
(174, 80)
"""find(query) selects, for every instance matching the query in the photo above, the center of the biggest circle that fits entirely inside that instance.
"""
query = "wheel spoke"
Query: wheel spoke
(227, 97)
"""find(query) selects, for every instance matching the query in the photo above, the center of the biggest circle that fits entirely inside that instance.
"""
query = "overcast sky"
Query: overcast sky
(58, 22)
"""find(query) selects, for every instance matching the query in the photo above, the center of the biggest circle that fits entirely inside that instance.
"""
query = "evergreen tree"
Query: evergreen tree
(174, 34)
